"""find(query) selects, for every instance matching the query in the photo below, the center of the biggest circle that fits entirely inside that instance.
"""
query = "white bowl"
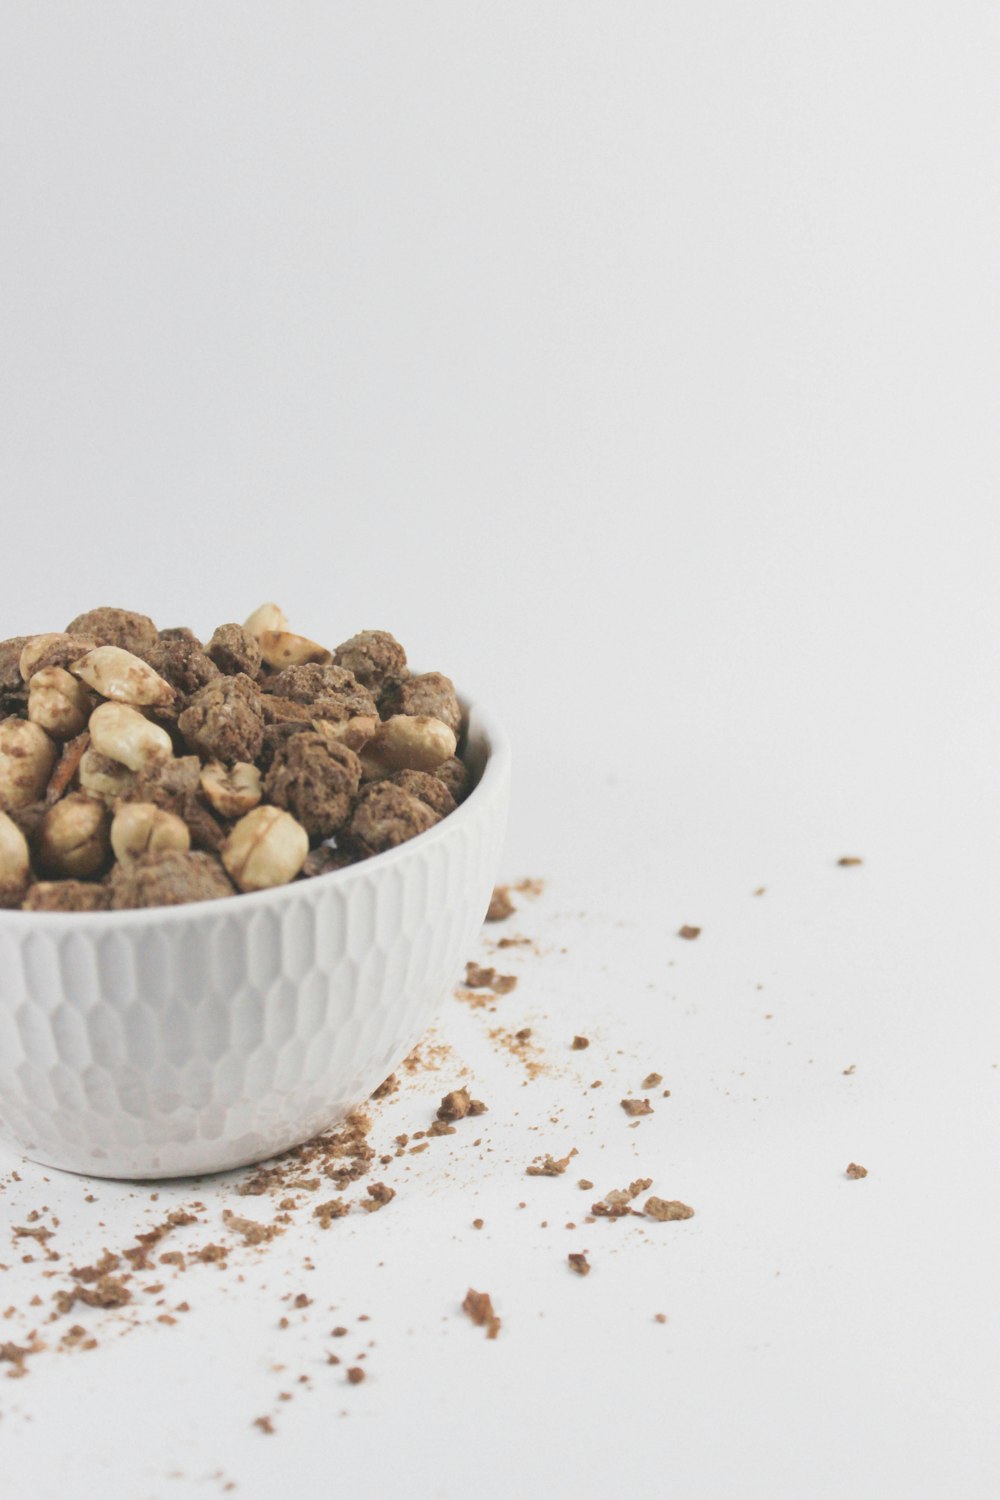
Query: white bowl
(185, 1039)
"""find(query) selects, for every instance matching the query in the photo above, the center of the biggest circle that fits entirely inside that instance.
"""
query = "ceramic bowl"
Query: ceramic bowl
(190, 1039)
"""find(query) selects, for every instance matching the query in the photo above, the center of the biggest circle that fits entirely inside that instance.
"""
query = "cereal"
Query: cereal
(168, 879)
(235, 649)
(666, 1210)
(127, 751)
(123, 678)
(267, 847)
(281, 648)
(66, 896)
(58, 703)
(316, 780)
(232, 790)
(223, 721)
(429, 694)
(385, 816)
(267, 617)
(27, 756)
(407, 743)
(122, 733)
(104, 777)
(72, 839)
(15, 864)
(56, 649)
(426, 789)
(374, 656)
(479, 1307)
(143, 828)
(115, 627)
(455, 775)
(183, 664)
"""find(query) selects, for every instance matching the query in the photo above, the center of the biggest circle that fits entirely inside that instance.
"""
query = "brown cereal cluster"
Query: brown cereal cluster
(143, 767)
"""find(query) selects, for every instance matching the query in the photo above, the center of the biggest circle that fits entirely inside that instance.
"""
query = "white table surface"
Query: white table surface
(638, 366)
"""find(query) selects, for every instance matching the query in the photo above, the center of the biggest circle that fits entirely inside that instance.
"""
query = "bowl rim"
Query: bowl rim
(491, 782)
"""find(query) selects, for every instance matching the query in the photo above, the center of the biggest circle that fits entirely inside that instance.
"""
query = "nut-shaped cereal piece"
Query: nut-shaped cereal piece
(182, 663)
(124, 678)
(223, 721)
(281, 648)
(408, 742)
(168, 879)
(426, 788)
(66, 896)
(266, 847)
(330, 692)
(384, 816)
(15, 864)
(315, 779)
(103, 777)
(11, 680)
(374, 656)
(143, 828)
(175, 786)
(123, 734)
(27, 756)
(234, 649)
(427, 693)
(354, 732)
(455, 775)
(58, 703)
(57, 649)
(72, 840)
(269, 617)
(116, 627)
(231, 790)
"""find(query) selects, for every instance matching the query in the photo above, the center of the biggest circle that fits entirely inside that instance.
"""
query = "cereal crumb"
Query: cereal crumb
(850, 859)
(355, 1374)
(477, 1223)
(501, 906)
(652, 1080)
(618, 1202)
(479, 1307)
(637, 1106)
(265, 1424)
(666, 1210)
(585, 1183)
(659, 1317)
(689, 932)
(378, 1196)
(550, 1166)
(579, 1263)
(848, 1071)
(855, 1170)
(580, 1043)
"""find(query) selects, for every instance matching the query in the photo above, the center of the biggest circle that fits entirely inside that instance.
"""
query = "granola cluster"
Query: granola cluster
(143, 767)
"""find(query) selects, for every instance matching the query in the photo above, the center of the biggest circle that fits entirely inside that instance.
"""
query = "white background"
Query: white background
(638, 365)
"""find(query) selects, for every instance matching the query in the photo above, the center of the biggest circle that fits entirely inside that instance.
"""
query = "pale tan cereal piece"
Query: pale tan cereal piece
(72, 840)
(58, 703)
(267, 847)
(122, 733)
(122, 677)
(143, 828)
(15, 863)
(27, 756)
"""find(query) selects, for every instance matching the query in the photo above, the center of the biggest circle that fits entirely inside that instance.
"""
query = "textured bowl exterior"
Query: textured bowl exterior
(199, 1038)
